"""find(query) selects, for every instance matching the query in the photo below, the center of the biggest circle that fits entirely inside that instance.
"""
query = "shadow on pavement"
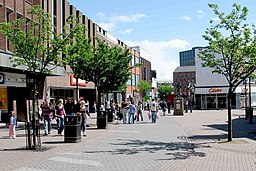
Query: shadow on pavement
(42, 149)
(173, 150)
(241, 129)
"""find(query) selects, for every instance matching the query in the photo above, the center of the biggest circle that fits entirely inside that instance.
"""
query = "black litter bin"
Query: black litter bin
(110, 115)
(72, 131)
(102, 120)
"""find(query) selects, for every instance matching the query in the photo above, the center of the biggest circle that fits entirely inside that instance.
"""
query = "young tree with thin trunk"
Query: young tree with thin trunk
(235, 41)
(37, 48)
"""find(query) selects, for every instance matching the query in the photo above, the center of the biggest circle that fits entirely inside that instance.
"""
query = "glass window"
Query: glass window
(133, 80)
(137, 60)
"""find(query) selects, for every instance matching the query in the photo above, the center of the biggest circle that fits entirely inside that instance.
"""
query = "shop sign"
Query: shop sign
(215, 90)
(80, 81)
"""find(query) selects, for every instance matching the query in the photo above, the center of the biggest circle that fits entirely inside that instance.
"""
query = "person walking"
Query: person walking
(12, 125)
(169, 106)
(153, 110)
(84, 111)
(60, 112)
(47, 116)
(132, 110)
(124, 111)
(139, 111)
(69, 106)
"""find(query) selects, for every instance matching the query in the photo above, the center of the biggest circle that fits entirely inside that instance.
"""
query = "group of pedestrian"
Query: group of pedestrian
(132, 112)
(51, 111)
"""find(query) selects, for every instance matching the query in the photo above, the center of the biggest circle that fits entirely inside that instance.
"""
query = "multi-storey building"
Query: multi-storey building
(211, 88)
(62, 84)
(145, 69)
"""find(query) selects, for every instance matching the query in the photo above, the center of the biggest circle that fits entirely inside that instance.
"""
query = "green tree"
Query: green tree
(77, 53)
(165, 90)
(235, 41)
(108, 67)
(36, 48)
(144, 87)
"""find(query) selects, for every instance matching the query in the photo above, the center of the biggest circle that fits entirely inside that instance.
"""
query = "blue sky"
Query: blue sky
(163, 28)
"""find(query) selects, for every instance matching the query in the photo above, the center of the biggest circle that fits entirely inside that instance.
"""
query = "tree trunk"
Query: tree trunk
(34, 114)
(229, 115)
(98, 97)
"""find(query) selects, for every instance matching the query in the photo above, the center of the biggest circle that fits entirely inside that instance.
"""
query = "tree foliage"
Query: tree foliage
(79, 51)
(165, 90)
(35, 44)
(235, 41)
(232, 49)
(144, 87)
(107, 67)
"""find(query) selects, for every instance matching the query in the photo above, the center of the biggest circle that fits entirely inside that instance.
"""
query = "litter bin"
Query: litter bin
(102, 120)
(72, 131)
(110, 114)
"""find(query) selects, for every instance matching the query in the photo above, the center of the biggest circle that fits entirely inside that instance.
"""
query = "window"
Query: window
(133, 58)
(63, 16)
(137, 79)
(54, 16)
(137, 60)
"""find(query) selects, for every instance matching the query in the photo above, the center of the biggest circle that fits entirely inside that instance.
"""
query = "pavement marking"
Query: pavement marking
(77, 161)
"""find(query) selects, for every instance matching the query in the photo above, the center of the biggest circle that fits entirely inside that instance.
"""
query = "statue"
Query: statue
(177, 89)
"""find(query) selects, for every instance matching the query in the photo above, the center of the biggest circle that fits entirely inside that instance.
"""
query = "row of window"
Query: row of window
(135, 79)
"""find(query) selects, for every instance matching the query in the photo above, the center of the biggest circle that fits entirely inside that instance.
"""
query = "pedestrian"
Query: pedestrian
(131, 114)
(164, 106)
(169, 106)
(125, 107)
(153, 110)
(84, 111)
(69, 106)
(12, 125)
(47, 110)
(117, 111)
(139, 111)
(60, 113)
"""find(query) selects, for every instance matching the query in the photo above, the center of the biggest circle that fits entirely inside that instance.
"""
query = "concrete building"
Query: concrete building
(211, 88)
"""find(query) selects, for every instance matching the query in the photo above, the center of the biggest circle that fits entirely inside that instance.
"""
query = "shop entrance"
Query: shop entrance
(17, 97)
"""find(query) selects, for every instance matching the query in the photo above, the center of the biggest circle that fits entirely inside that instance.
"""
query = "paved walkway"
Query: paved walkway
(191, 142)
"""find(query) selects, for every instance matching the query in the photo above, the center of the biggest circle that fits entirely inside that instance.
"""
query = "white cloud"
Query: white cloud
(186, 18)
(126, 31)
(200, 14)
(107, 26)
(110, 22)
(100, 14)
(164, 55)
(127, 19)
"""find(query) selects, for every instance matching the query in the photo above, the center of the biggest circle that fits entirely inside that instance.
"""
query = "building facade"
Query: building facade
(61, 84)
(211, 88)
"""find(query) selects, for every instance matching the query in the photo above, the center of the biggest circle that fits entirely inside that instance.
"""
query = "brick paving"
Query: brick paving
(194, 141)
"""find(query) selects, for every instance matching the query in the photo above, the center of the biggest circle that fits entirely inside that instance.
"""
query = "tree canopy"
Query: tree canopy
(232, 49)
(36, 45)
(235, 41)
(165, 90)
(144, 87)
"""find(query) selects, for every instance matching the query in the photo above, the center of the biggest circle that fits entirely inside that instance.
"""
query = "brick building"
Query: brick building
(61, 85)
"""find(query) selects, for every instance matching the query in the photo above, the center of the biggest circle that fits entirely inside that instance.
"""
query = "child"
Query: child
(12, 126)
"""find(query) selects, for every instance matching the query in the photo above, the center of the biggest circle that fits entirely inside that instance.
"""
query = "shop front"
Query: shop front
(12, 95)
